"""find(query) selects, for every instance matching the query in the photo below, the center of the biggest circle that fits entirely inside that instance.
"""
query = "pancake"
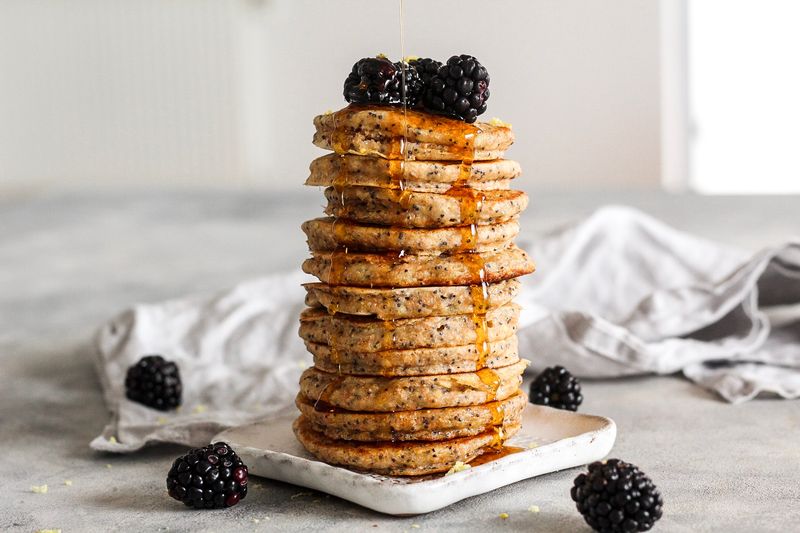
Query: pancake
(416, 361)
(407, 302)
(362, 334)
(420, 176)
(423, 424)
(412, 458)
(386, 207)
(380, 394)
(389, 270)
(327, 234)
(378, 131)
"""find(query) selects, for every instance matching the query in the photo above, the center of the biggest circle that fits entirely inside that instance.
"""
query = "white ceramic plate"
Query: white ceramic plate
(553, 440)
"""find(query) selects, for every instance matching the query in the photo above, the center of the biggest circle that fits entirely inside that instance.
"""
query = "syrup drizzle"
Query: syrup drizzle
(340, 141)
(340, 144)
(327, 391)
(387, 342)
(497, 413)
(337, 265)
(470, 203)
(498, 437)
(491, 383)
(336, 356)
(396, 169)
(324, 407)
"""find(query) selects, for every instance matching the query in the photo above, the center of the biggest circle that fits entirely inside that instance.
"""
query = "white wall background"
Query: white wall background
(221, 92)
(744, 82)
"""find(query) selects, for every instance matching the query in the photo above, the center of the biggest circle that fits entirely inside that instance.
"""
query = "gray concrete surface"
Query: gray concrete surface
(69, 261)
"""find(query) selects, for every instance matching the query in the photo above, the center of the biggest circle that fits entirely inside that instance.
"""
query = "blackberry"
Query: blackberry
(426, 68)
(616, 496)
(376, 80)
(459, 89)
(208, 478)
(415, 86)
(154, 382)
(556, 387)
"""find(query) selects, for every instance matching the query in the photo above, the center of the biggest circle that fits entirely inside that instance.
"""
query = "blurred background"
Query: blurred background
(675, 94)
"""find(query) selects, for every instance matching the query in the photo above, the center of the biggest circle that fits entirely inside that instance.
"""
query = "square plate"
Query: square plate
(552, 440)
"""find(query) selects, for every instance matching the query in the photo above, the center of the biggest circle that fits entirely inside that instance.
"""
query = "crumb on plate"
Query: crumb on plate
(458, 467)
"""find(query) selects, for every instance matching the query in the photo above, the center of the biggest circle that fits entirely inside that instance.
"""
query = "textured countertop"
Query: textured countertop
(68, 261)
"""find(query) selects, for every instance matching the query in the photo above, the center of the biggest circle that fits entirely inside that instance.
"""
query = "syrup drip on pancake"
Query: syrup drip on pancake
(325, 407)
(330, 388)
(340, 142)
(497, 413)
(491, 382)
(495, 454)
(337, 260)
(470, 202)
(336, 357)
(387, 342)
(337, 264)
(396, 174)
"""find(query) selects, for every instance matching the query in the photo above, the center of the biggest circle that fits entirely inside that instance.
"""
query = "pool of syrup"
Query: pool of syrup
(494, 455)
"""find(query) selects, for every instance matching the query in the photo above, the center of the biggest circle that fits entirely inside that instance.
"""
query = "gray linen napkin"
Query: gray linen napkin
(238, 353)
(617, 294)
(623, 294)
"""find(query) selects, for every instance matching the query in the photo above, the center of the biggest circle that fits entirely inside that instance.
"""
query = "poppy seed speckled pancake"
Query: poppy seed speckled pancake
(420, 176)
(415, 361)
(388, 207)
(422, 424)
(327, 234)
(379, 131)
(384, 270)
(407, 302)
(412, 458)
(365, 334)
(385, 394)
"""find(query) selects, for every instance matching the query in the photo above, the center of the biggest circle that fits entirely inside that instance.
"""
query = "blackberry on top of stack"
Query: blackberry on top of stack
(411, 324)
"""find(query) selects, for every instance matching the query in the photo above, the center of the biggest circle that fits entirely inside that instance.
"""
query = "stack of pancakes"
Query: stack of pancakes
(411, 325)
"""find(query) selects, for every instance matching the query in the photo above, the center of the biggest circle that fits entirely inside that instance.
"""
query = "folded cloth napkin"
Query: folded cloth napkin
(618, 294)
(238, 354)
